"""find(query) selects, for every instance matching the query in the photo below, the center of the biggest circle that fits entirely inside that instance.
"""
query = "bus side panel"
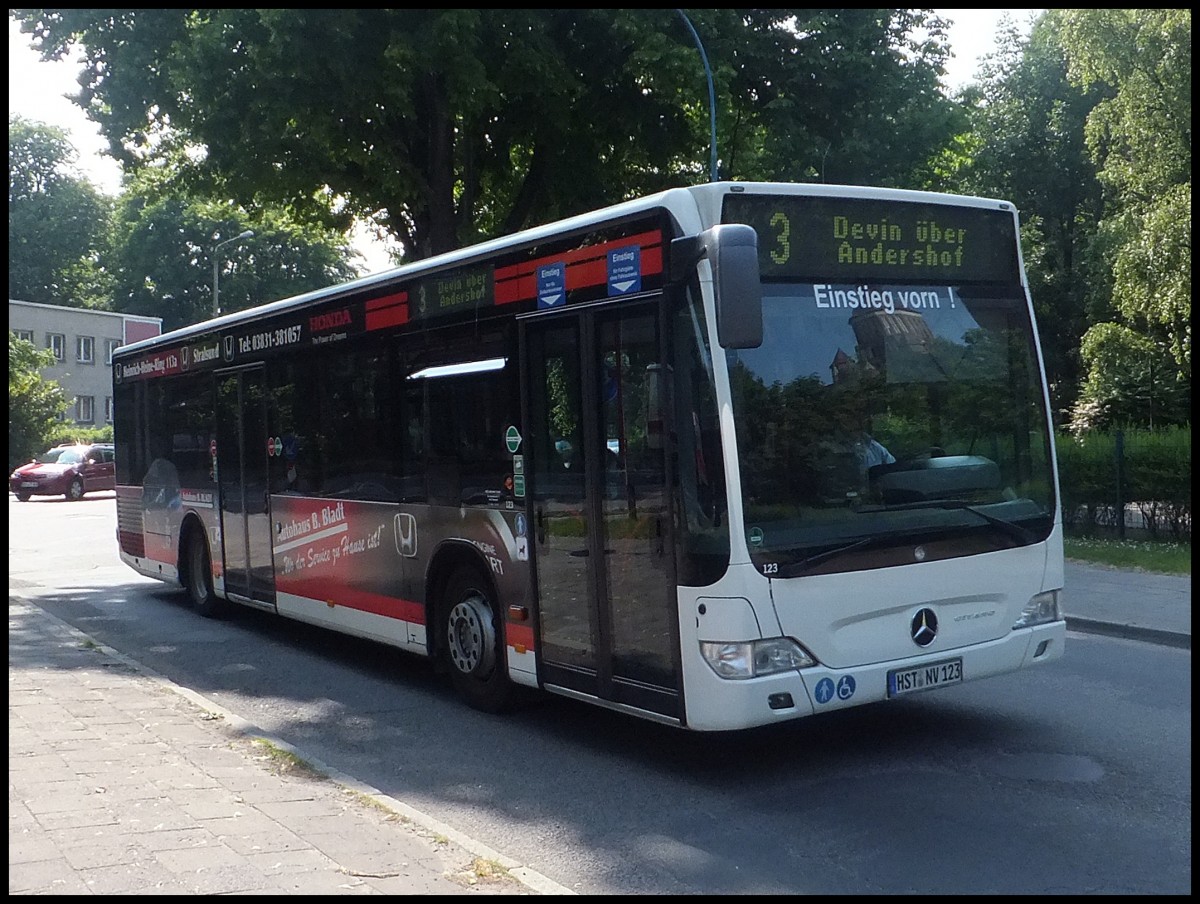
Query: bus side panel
(338, 564)
(432, 536)
(150, 524)
(361, 567)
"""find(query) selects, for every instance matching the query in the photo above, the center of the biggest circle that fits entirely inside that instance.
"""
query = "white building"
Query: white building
(83, 342)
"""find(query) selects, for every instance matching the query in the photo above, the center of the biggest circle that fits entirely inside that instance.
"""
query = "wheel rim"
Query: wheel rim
(76, 489)
(471, 637)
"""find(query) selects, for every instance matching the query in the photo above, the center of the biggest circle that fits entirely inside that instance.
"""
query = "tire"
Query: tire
(75, 490)
(198, 577)
(23, 497)
(473, 643)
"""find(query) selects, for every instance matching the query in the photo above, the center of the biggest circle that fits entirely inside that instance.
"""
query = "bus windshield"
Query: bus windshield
(877, 416)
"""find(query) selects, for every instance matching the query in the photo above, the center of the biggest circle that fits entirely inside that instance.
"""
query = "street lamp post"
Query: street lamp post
(712, 101)
(216, 258)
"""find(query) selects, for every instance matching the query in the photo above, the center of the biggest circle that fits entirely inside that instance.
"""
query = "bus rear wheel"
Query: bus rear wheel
(198, 579)
(473, 643)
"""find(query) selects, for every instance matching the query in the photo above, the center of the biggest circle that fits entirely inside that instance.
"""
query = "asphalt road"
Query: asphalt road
(1070, 779)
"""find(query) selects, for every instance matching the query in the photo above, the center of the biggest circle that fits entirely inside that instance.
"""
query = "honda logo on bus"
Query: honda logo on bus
(406, 534)
(924, 627)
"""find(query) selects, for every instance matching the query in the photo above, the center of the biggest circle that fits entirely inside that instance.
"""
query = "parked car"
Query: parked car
(69, 470)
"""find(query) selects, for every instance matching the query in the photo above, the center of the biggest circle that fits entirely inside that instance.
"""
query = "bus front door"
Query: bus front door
(599, 506)
(242, 480)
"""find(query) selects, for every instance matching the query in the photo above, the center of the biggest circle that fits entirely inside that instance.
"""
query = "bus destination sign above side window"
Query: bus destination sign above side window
(453, 292)
(847, 240)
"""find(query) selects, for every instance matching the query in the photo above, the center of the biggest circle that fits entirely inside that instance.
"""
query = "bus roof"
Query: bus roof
(696, 207)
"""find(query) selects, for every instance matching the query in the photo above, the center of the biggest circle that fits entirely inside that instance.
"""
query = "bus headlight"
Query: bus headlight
(1040, 610)
(755, 658)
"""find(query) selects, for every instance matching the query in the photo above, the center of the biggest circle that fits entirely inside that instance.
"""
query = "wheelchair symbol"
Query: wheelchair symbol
(845, 687)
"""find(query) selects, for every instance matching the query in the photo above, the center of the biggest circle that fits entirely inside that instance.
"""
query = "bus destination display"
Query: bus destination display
(454, 292)
(847, 240)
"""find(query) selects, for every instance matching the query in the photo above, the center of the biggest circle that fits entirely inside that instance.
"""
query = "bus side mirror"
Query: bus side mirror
(732, 250)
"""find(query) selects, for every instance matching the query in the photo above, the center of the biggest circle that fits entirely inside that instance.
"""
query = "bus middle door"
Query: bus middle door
(599, 505)
(242, 482)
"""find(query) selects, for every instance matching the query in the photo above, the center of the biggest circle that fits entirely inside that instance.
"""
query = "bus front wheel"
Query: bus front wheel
(199, 577)
(472, 645)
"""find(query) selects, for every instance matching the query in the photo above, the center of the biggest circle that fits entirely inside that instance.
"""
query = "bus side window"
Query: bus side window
(459, 399)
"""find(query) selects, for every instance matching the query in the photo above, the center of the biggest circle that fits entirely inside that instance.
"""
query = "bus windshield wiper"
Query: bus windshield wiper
(890, 538)
(1011, 528)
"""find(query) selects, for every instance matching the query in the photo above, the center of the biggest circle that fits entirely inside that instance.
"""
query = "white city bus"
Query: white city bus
(721, 457)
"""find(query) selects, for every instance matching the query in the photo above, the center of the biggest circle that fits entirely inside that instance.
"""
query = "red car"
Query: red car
(69, 471)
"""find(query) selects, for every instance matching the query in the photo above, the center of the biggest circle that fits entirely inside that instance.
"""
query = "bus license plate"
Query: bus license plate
(924, 677)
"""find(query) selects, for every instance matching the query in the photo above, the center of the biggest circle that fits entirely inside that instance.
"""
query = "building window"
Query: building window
(85, 409)
(27, 335)
(108, 408)
(57, 343)
(110, 346)
(85, 349)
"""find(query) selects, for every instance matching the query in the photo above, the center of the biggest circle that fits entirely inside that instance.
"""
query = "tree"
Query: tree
(57, 220)
(1141, 139)
(446, 126)
(1131, 381)
(1026, 145)
(161, 260)
(835, 95)
(34, 403)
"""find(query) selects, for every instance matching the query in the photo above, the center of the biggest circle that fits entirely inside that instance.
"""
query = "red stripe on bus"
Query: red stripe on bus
(518, 635)
(391, 310)
(585, 267)
(326, 592)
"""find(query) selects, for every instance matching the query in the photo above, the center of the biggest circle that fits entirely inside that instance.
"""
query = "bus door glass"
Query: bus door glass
(599, 505)
(242, 456)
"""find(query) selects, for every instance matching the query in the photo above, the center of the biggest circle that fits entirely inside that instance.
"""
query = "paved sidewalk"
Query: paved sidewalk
(1133, 604)
(120, 782)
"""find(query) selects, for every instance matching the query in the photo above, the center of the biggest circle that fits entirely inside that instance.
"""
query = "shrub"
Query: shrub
(1155, 476)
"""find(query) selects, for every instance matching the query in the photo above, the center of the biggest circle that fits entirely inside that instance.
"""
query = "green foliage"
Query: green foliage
(447, 126)
(1158, 479)
(831, 95)
(1153, 272)
(34, 403)
(164, 240)
(1086, 126)
(1028, 131)
(1155, 475)
(1164, 557)
(1140, 137)
(72, 433)
(1130, 381)
(57, 220)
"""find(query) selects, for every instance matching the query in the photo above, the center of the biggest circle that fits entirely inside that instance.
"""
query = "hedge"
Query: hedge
(1145, 473)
